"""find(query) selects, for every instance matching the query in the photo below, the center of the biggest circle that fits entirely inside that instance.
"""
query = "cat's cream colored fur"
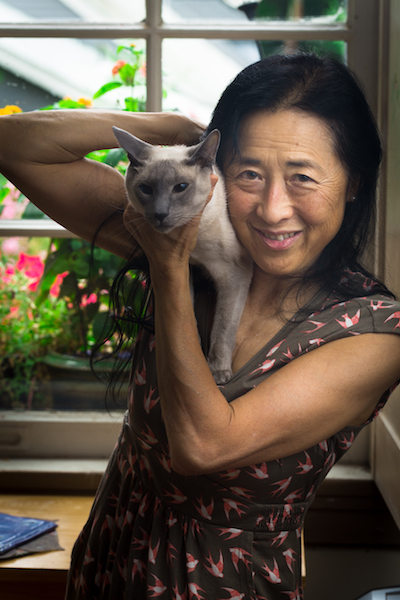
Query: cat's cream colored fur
(169, 186)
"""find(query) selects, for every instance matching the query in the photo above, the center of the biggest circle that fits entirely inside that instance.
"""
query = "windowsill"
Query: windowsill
(58, 475)
(36, 474)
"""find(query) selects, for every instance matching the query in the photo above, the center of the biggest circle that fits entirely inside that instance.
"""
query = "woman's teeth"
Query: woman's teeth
(280, 237)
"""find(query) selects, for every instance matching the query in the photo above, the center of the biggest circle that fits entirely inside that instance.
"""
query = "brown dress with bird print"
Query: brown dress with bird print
(153, 533)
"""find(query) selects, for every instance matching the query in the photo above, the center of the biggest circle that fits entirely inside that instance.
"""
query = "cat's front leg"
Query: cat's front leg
(231, 297)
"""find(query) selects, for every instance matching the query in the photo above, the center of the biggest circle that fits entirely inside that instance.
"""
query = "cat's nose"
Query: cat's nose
(160, 216)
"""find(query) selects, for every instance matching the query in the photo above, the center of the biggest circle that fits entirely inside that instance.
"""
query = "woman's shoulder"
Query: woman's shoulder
(368, 309)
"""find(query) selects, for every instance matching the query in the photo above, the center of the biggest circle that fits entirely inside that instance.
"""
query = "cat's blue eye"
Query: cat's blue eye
(180, 187)
(146, 189)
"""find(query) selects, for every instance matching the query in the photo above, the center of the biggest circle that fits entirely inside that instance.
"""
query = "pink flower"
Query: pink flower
(31, 266)
(13, 312)
(32, 287)
(118, 66)
(11, 246)
(55, 288)
(8, 274)
(92, 299)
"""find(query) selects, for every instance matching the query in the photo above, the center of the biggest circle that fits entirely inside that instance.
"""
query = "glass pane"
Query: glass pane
(54, 297)
(107, 11)
(232, 11)
(197, 71)
(66, 73)
(215, 11)
(293, 10)
(36, 72)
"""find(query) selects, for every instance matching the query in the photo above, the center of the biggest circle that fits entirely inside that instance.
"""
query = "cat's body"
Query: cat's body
(169, 186)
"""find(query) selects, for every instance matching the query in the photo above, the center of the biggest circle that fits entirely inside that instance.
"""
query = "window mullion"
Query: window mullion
(154, 56)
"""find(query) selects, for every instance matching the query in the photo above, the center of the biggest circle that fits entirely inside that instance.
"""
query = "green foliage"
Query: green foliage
(87, 278)
(128, 72)
(286, 10)
(27, 333)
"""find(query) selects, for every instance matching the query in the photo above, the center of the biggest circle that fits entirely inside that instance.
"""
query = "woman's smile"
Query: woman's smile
(287, 190)
(278, 241)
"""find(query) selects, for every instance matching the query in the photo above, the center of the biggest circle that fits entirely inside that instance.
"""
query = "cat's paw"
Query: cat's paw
(221, 375)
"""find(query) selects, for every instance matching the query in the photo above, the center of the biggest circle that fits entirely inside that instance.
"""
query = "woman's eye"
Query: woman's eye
(249, 175)
(302, 178)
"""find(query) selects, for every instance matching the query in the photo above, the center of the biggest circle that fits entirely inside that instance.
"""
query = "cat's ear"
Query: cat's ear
(204, 154)
(137, 150)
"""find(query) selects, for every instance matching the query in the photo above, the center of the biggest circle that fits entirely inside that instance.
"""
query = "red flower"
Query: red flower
(118, 66)
(55, 288)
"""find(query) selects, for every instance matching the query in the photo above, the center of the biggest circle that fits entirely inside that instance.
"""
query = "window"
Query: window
(193, 48)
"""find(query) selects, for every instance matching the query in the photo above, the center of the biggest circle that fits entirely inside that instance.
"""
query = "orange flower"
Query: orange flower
(85, 101)
(10, 109)
(118, 66)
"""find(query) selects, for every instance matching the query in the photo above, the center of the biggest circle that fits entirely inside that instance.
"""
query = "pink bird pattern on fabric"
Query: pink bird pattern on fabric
(233, 535)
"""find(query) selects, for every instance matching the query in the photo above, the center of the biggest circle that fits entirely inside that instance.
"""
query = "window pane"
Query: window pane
(216, 11)
(293, 10)
(231, 11)
(197, 71)
(108, 11)
(54, 299)
(36, 72)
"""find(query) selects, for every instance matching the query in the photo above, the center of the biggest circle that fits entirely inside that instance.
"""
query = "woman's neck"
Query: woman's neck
(280, 297)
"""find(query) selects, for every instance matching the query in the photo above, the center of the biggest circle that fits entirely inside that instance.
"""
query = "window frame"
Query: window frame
(360, 32)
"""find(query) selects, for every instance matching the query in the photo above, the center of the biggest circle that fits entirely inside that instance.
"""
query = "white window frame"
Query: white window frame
(42, 436)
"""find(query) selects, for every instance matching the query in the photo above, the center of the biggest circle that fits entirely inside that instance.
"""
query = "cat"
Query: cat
(169, 186)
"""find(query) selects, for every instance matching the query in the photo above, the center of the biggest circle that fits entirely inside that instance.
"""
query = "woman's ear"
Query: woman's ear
(352, 189)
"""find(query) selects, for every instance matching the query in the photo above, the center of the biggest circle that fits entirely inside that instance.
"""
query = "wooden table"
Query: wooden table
(42, 576)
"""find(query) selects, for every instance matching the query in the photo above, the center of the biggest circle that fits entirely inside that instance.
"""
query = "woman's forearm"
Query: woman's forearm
(64, 135)
(195, 413)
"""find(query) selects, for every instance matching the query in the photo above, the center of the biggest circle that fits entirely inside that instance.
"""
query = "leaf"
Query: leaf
(3, 194)
(33, 212)
(107, 87)
(102, 325)
(114, 156)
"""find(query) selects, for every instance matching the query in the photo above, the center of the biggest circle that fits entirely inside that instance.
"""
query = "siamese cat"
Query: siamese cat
(169, 186)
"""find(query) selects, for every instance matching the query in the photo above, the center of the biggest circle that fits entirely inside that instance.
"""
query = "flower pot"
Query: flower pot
(74, 386)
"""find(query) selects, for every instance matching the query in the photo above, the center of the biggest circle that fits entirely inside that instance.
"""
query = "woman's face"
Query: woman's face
(287, 190)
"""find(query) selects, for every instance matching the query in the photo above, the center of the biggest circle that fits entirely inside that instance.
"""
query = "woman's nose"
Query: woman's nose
(275, 203)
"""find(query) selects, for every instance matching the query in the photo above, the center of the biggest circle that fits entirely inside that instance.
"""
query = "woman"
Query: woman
(206, 492)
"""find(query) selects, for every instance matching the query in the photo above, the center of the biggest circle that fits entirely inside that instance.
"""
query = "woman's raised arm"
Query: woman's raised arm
(43, 154)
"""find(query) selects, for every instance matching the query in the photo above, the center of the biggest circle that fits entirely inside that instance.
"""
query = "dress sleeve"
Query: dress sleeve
(373, 314)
